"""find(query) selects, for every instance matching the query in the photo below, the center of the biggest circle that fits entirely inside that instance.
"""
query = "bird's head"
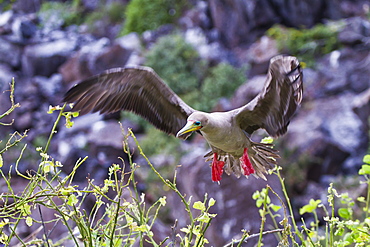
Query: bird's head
(196, 121)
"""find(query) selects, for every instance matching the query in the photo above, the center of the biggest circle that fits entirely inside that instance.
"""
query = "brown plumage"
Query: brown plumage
(142, 91)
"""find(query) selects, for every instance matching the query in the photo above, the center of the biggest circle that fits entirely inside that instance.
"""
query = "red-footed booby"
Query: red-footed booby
(140, 90)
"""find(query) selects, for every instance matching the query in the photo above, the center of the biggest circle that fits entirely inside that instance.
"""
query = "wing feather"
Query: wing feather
(136, 89)
(273, 108)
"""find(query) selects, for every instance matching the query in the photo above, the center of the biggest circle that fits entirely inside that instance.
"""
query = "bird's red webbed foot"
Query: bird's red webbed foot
(217, 168)
(246, 163)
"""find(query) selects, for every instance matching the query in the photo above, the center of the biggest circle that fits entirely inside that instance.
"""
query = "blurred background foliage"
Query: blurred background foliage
(142, 15)
(306, 44)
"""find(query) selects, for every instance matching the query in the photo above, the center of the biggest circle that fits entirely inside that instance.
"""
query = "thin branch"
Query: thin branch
(252, 236)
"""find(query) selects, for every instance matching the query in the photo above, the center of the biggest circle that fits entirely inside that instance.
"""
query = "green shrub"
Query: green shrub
(177, 62)
(6, 5)
(157, 142)
(347, 219)
(68, 13)
(222, 81)
(306, 44)
(112, 13)
(142, 15)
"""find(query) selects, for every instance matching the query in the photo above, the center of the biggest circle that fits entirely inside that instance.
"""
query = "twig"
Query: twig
(43, 226)
(252, 236)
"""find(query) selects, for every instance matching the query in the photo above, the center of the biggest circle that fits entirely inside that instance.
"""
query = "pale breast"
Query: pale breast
(225, 135)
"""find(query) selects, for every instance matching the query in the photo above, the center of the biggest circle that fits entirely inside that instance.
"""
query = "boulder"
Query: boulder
(356, 31)
(5, 21)
(327, 131)
(45, 58)
(10, 53)
(6, 75)
(242, 22)
(340, 71)
(106, 133)
(94, 58)
(212, 52)
(248, 91)
(49, 87)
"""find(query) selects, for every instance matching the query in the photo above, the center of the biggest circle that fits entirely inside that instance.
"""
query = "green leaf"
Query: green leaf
(26, 209)
(256, 195)
(143, 228)
(259, 202)
(275, 208)
(367, 159)
(1, 161)
(46, 165)
(365, 170)
(310, 207)
(361, 199)
(199, 205)
(345, 213)
(72, 200)
(204, 218)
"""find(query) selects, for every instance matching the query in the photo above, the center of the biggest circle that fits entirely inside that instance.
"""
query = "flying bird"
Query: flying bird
(140, 90)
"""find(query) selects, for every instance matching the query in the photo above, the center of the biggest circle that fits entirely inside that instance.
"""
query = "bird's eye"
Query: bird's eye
(197, 123)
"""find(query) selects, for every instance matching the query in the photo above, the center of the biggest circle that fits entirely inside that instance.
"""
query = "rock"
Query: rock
(45, 58)
(196, 17)
(26, 6)
(94, 58)
(248, 91)
(107, 133)
(6, 75)
(10, 53)
(263, 50)
(75, 69)
(328, 132)
(259, 55)
(212, 52)
(356, 31)
(112, 57)
(24, 27)
(150, 37)
(130, 42)
(5, 20)
(49, 87)
(344, 70)
(361, 105)
(24, 121)
(242, 22)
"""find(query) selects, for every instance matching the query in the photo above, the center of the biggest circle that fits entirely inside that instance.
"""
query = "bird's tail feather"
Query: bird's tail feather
(261, 155)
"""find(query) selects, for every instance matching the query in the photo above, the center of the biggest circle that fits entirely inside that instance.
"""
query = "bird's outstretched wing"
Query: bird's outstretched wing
(136, 89)
(275, 105)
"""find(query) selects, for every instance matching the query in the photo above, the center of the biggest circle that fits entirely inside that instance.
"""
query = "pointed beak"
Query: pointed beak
(189, 127)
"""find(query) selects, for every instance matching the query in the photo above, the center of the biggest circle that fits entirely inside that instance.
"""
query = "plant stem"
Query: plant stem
(245, 239)
(368, 198)
(53, 130)
(169, 184)
(289, 206)
(263, 220)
